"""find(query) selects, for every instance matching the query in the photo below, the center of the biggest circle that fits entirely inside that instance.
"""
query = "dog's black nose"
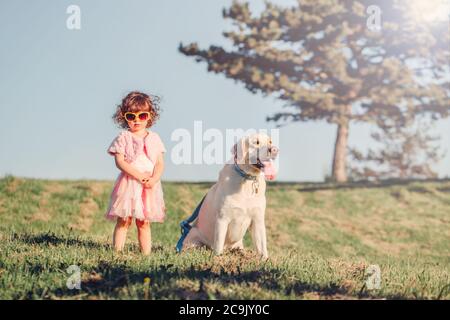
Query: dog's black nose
(274, 150)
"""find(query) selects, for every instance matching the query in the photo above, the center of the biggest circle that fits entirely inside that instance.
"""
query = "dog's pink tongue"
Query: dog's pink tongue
(269, 170)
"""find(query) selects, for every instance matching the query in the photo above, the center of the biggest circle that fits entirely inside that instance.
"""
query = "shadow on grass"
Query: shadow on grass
(50, 238)
(112, 279)
(108, 281)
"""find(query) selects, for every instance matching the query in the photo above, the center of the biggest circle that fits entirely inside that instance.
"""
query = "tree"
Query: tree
(323, 61)
(403, 153)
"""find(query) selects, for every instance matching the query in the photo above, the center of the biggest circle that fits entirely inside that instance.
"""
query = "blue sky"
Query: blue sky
(59, 88)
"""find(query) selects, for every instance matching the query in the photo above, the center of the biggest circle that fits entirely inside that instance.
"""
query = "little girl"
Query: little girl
(138, 154)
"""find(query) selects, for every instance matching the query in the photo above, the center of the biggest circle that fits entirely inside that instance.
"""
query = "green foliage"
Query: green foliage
(325, 63)
(320, 57)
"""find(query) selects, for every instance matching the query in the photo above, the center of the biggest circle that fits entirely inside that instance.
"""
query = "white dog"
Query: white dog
(236, 202)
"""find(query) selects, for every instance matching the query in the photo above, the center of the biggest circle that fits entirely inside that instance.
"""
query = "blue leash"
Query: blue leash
(186, 227)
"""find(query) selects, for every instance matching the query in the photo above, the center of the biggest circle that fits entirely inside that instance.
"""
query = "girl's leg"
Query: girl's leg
(120, 233)
(144, 236)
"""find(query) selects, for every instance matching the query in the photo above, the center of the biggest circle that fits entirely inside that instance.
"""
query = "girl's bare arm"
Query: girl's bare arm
(159, 168)
(128, 168)
(157, 171)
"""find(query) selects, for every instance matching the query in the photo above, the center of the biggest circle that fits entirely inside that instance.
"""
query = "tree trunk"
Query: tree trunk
(340, 153)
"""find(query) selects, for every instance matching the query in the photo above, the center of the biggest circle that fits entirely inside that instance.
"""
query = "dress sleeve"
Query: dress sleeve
(159, 144)
(117, 146)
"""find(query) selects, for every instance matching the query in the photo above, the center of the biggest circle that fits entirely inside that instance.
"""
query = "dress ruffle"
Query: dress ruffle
(129, 198)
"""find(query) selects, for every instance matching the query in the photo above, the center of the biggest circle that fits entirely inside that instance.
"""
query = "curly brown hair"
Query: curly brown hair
(137, 101)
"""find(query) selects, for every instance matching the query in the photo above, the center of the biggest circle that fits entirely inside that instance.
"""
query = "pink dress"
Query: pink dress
(129, 198)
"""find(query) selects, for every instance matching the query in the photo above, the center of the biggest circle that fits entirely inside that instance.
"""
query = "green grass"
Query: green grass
(321, 239)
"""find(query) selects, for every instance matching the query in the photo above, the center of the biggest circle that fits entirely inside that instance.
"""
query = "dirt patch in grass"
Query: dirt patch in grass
(40, 216)
(45, 211)
(85, 219)
(232, 261)
(13, 185)
(54, 187)
(349, 270)
(275, 219)
(88, 206)
(371, 233)
(97, 189)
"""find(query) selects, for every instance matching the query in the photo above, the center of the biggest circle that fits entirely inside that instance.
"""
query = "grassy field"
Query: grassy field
(322, 238)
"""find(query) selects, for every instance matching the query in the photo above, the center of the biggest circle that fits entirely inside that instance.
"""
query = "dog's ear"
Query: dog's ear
(240, 151)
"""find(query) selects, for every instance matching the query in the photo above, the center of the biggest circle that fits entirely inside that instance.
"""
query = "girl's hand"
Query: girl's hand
(150, 183)
(144, 177)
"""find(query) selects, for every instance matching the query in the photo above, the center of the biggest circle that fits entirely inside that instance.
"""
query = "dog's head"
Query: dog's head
(258, 151)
